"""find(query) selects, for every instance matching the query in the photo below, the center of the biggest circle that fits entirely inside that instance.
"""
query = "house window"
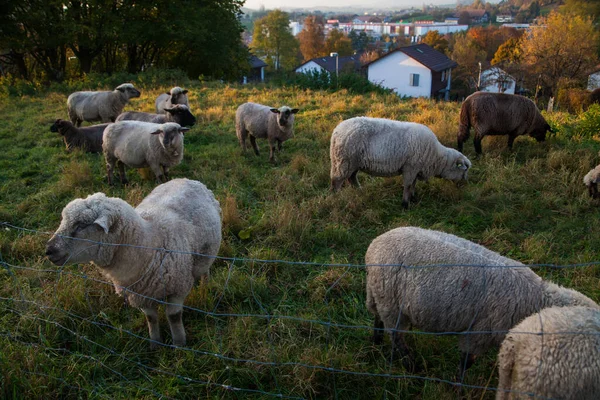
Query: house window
(443, 75)
(414, 79)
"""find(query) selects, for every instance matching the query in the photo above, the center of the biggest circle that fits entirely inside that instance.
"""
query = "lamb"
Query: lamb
(176, 95)
(476, 289)
(383, 147)
(179, 113)
(88, 138)
(591, 180)
(99, 106)
(500, 114)
(143, 144)
(181, 216)
(535, 358)
(263, 122)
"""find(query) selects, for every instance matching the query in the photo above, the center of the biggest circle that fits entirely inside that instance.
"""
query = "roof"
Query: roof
(368, 18)
(473, 13)
(256, 62)
(328, 63)
(424, 54)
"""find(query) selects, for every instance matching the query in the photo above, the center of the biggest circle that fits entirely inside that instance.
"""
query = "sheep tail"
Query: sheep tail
(464, 126)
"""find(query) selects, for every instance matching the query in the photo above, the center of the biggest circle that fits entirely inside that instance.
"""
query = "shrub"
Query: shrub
(588, 124)
(573, 100)
(322, 80)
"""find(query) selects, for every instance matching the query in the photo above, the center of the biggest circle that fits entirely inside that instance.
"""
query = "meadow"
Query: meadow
(264, 329)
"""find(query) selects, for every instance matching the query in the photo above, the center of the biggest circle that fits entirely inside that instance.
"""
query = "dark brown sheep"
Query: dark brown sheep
(595, 96)
(500, 114)
(88, 138)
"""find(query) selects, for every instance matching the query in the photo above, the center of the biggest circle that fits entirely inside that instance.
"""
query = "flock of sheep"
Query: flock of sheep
(549, 336)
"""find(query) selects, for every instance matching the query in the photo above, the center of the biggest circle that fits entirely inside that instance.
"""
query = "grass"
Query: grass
(64, 333)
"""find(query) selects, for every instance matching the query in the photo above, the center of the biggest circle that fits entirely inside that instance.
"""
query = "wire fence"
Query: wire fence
(71, 318)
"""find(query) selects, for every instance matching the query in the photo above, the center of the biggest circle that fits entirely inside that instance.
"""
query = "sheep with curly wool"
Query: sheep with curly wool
(174, 96)
(99, 106)
(383, 147)
(88, 138)
(553, 354)
(128, 245)
(591, 180)
(179, 113)
(263, 122)
(475, 290)
(143, 144)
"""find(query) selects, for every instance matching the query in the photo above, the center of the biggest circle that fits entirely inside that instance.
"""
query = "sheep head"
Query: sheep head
(60, 126)
(171, 137)
(182, 115)
(178, 95)
(128, 90)
(457, 166)
(285, 116)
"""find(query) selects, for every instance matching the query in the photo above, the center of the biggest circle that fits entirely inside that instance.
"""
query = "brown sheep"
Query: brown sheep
(500, 114)
(88, 138)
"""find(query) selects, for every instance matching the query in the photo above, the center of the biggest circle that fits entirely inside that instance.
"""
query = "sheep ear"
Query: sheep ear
(103, 222)
(184, 91)
(183, 130)
(274, 110)
(158, 132)
(169, 110)
(295, 110)
(120, 89)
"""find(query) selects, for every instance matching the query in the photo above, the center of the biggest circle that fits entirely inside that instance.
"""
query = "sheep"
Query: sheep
(554, 355)
(181, 216)
(591, 180)
(383, 147)
(176, 95)
(143, 144)
(179, 113)
(263, 122)
(476, 290)
(500, 114)
(88, 138)
(99, 106)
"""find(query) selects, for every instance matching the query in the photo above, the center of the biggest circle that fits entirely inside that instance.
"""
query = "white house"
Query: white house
(504, 18)
(413, 71)
(594, 79)
(330, 64)
(496, 80)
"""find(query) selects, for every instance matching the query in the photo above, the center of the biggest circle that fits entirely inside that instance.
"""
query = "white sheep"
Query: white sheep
(383, 147)
(179, 113)
(477, 290)
(176, 95)
(553, 354)
(263, 122)
(181, 216)
(143, 144)
(99, 106)
(591, 180)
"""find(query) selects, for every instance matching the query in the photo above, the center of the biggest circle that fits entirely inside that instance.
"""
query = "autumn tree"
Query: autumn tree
(468, 56)
(562, 52)
(339, 43)
(435, 40)
(312, 39)
(273, 40)
(583, 8)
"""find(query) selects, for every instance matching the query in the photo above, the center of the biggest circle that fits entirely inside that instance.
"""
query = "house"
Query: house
(296, 27)
(257, 70)
(496, 80)
(476, 16)
(413, 71)
(594, 79)
(504, 18)
(328, 64)
(366, 19)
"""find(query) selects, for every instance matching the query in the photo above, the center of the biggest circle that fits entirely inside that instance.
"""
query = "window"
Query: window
(443, 75)
(414, 79)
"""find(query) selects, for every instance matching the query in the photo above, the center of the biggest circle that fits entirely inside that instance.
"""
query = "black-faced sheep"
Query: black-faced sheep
(500, 114)
(181, 216)
(99, 106)
(87, 138)
(383, 147)
(176, 95)
(263, 122)
(179, 113)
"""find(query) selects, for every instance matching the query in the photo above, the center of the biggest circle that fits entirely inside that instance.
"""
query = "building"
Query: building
(420, 29)
(594, 79)
(496, 80)
(413, 71)
(296, 27)
(504, 18)
(257, 70)
(476, 16)
(328, 64)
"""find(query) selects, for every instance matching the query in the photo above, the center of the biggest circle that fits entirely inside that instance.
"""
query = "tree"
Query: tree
(312, 39)
(562, 52)
(435, 40)
(273, 41)
(359, 40)
(468, 56)
(339, 43)
(583, 8)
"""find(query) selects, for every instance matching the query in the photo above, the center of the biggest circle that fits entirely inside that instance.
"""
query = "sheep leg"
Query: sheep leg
(511, 140)
(477, 144)
(254, 145)
(242, 134)
(279, 145)
(594, 190)
(174, 315)
(110, 166)
(157, 169)
(409, 184)
(353, 180)
(466, 360)
(272, 144)
(124, 180)
(166, 173)
(153, 327)
(377, 331)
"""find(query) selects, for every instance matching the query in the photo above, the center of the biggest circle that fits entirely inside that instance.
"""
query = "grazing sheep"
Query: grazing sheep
(500, 114)
(382, 147)
(179, 113)
(263, 122)
(553, 355)
(99, 106)
(591, 180)
(181, 216)
(176, 95)
(476, 290)
(143, 144)
(88, 138)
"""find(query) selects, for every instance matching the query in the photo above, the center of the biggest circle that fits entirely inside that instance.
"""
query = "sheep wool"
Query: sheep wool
(88, 139)
(591, 180)
(174, 96)
(181, 216)
(383, 147)
(553, 354)
(99, 106)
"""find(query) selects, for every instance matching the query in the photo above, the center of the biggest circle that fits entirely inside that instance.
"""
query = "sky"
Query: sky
(270, 4)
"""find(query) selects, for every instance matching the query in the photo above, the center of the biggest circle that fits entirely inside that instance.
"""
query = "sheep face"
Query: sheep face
(539, 134)
(128, 90)
(285, 116)
(182, 115)
(83, 226)
(178, 95)
(171, 137)
(60, 126)
(457, 169)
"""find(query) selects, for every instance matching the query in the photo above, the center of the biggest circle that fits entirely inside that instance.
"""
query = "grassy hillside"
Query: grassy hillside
(64, 333)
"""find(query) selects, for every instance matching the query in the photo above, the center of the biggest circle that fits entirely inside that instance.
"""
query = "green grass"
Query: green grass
(66, 335)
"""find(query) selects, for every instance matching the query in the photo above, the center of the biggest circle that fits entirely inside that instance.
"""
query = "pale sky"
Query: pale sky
(270, 4)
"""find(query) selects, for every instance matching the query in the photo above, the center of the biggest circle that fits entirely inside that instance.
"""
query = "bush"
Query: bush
(322, 80)
(573, 100)
(588, 124)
